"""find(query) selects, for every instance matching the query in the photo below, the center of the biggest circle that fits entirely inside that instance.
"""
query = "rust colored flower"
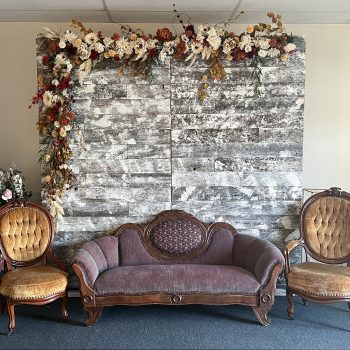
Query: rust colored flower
(164, 34)
(241, 55)
(231, 34)
(144, 37)
(115, 36)
(180, 50)
(53, 47)
(65, 121)
(273, 42)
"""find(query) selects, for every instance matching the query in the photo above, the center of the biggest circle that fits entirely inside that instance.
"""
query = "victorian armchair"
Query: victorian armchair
(325, 236)
(26, 234)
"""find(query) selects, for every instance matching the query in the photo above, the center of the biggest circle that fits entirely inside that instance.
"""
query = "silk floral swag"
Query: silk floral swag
(70, 57)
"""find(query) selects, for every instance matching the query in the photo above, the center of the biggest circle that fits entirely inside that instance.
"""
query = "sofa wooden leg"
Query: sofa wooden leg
(64, 307)
(290, 309)
(304, 301)
(261, 314)
(94, 313)
(12, 318)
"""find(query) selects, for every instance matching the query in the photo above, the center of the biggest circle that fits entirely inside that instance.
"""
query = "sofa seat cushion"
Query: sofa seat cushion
(33, 282)
(191, 278)
(320, 279)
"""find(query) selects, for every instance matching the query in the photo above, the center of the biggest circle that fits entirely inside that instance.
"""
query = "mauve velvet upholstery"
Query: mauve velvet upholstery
(97, 256)
(256, 255)
(132, 252)
(188, 278)
(238, 264)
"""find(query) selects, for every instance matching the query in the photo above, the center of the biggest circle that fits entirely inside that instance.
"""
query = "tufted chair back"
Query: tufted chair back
(26, 231)
(325, 226)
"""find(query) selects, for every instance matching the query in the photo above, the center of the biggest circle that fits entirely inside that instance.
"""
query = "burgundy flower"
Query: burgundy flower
(115, 36)
(152, 53)
(94, 55)
(273, 42)
(189, 31)
(45, 60)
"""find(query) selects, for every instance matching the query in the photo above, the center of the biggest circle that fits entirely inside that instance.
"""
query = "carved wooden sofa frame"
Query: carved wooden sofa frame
(270, 263)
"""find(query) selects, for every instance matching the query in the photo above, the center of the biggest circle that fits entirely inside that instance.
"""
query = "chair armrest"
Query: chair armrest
(287, 250)
(257, 256)
(96, 256)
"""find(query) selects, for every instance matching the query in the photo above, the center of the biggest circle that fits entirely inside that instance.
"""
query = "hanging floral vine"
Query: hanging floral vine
(70, 58)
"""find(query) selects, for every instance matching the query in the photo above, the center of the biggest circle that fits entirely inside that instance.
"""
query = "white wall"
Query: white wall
(327, 95)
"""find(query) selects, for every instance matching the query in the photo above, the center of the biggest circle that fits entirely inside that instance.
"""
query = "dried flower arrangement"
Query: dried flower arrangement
(135, 52)
(12, 185)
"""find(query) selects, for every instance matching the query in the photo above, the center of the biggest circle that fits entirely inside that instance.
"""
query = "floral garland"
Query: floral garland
(66, 53)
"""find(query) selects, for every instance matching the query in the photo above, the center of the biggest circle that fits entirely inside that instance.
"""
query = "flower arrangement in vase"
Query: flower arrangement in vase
(12, 185)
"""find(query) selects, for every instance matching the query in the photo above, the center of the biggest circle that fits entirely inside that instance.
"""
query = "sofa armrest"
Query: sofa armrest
(96, 256)
(257, 256)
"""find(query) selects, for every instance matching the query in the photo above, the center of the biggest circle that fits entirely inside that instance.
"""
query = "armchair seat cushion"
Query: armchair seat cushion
(320, 279)
(190, 278)
(33, 282)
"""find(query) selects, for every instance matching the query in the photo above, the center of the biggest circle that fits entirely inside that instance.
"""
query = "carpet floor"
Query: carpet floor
(186, 327)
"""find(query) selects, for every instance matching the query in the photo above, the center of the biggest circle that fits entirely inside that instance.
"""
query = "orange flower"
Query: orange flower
(164, 34)
(241, 55)
(250, 29)
(180, 50)
(133, 37)
(53, 47)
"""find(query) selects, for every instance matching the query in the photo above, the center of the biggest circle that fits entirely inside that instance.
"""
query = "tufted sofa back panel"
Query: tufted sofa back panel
(133, 251)
(176, 236)
(24, 233)
(326, 227)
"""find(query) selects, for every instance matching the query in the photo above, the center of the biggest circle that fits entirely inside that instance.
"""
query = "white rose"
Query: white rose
(62, 44)
(262, 53)
(273, 52)
(56, 124)
(47, 98)
(289, 47)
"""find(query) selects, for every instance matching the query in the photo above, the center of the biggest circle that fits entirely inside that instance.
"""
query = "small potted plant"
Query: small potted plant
(12, 185)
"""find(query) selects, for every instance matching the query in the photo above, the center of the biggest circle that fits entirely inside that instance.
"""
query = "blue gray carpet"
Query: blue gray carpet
(185, 327)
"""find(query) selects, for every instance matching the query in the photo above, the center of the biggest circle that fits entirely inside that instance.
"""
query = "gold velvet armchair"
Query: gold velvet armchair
(26, 234)
(325, 236)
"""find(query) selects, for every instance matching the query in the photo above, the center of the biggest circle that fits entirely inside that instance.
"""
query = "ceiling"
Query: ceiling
(161, 11)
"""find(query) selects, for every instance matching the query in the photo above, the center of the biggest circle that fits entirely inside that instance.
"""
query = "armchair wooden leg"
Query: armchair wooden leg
(290, 309)
(261, 314)
(94, 315)
(64, 307)
(349, 306)
(304, 301)
(12, 317)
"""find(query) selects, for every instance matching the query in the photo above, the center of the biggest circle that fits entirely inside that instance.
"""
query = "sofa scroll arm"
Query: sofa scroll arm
(86, 290)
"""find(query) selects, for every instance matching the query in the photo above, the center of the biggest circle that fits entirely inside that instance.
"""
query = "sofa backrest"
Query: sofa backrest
(176, 237)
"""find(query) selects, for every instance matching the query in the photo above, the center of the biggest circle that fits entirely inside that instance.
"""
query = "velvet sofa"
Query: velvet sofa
(176, 259)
